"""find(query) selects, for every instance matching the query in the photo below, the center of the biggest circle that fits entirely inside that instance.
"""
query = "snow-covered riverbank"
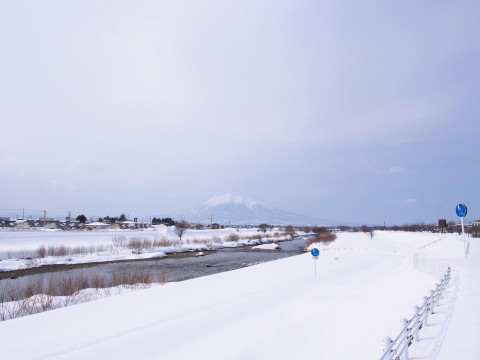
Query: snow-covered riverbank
(275, 310)
(26, 249)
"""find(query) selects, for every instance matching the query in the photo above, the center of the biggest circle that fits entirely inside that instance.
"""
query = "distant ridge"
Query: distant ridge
(237, 210)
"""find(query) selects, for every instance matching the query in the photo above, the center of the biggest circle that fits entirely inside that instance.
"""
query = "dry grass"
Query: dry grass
(162, 276)
(41, 252)
(127, 278)
(233, 237)
(62, 250)
(197, 241)
(141, 243)
(324, 238)
(165, 242)
(37, 296)
(119, 241)
(252, 237)
(217, 239)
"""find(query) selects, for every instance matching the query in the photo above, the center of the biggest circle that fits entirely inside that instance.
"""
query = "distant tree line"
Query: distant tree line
(113, 219)
(82, 218)
(165, 221)
(450, 227)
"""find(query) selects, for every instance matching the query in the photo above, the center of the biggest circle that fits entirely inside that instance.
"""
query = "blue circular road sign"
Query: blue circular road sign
(461, 210)
(315, 252)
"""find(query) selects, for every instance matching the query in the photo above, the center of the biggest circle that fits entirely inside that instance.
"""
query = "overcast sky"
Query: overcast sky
(366, 111)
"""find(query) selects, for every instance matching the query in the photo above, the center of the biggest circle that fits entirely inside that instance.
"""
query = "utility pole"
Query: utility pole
(23, 213)
(211, 221)
(44, 214)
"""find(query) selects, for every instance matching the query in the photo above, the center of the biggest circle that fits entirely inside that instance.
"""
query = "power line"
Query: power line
(25, 213)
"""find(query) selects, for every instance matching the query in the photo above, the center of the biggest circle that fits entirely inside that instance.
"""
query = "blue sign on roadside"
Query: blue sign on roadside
(315, 252)
(461, 210)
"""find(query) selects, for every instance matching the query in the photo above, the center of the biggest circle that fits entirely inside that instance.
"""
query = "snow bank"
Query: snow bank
(17, 264)
(267, 247)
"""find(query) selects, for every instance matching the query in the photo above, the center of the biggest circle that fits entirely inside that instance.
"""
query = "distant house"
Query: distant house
(5, 222)
(131, 225)
(128, 224)
(96, 226)
(22, 224)
(70, 224)
(46, 223)
(115, 226)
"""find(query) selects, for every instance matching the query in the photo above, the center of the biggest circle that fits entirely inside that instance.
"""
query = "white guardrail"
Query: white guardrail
(398, 349)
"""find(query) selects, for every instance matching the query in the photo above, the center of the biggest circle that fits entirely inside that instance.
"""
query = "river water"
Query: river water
(171, 269)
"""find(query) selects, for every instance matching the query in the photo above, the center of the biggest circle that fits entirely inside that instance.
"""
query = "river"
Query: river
(168, 269)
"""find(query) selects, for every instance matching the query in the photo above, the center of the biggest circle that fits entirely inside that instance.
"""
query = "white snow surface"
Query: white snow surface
(266, 247)
(275, 310)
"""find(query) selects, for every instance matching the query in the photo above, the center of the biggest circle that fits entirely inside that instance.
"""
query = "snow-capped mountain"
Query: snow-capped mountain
(232, 209)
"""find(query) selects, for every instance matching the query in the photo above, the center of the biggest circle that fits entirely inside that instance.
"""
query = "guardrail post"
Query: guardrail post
(432, 301)
(426, 311)
(415, 321)
(387, 341)
(404, 354)
(443, 286)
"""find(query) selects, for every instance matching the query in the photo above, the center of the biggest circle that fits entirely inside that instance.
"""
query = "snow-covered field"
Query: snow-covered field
(275, 310)
(18, 249)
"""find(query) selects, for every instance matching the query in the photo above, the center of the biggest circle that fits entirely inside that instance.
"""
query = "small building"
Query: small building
(475, 228)
(442, 225)
(96, 226)
(132, 225)
(70, 224)
(22, 225)
(46, 223)
(5, 222)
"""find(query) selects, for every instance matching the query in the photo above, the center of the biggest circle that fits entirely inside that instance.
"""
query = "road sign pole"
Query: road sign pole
(315, 252)
(462, 211)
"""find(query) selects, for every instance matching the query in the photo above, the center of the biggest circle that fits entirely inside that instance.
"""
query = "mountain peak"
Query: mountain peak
(229, 198)
(239, 210)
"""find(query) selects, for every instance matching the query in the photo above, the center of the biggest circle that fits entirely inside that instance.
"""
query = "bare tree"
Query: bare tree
(180, 228)
(367, 230)
(364, 228)
(320, 229)
(290, 231)
(263, 227)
